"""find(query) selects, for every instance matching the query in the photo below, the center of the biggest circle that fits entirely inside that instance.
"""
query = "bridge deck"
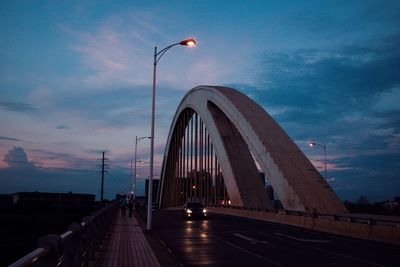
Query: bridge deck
(126, 246)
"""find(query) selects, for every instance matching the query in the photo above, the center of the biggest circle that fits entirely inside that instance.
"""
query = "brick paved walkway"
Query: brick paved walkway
(126, 246)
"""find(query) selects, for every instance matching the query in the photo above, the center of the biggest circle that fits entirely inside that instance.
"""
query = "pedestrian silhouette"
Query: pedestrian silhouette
(122, 205)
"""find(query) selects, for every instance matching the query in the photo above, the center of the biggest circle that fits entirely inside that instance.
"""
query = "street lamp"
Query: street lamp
(323, 146)
(135, 172)
(157, 57)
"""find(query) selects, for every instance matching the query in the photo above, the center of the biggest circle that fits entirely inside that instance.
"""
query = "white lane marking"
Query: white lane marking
(335, 253)
(304, 239)
(253, 241)
(247, 251)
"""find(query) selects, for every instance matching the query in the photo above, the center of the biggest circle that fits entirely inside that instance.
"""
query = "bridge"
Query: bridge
(219, 142)
(218, 137)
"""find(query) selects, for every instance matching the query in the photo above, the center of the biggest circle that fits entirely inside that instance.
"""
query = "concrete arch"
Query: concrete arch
(238, 125)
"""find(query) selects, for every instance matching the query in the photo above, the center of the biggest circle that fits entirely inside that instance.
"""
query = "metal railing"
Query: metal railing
(343, 217)
(75, 247)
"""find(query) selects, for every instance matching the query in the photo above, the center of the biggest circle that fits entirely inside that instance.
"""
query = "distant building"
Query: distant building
(6, 200)
(52, 199)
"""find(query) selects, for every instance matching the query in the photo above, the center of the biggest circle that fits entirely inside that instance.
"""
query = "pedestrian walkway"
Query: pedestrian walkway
(126, 246)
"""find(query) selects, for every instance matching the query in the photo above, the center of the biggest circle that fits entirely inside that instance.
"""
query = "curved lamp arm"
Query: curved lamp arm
(159, 54)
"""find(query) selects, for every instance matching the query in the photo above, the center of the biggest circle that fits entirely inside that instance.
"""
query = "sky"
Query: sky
(76, 80)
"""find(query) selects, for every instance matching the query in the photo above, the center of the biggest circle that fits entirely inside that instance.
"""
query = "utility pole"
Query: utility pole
(103, 165)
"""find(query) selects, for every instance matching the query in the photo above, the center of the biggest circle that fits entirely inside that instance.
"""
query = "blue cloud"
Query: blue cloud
(375, 175)
(9, 139)
(389, 120)
(17, 107)
(334, 88)
(16, 158)
(63, 127)
(329, 82)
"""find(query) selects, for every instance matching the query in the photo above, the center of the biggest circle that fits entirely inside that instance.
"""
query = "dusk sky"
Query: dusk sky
(76, 77)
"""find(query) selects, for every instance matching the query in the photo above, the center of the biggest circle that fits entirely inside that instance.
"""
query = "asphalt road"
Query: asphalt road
(231, 241)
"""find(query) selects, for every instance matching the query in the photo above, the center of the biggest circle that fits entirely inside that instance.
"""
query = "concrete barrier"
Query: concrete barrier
(345, 225)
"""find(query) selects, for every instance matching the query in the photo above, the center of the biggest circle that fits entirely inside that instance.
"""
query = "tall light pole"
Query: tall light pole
(157, 56)
(137, 140)
(323, 146)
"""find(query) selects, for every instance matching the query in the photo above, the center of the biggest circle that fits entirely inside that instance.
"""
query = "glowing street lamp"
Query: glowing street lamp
(323, 146)
(189, 42)
(157, 57)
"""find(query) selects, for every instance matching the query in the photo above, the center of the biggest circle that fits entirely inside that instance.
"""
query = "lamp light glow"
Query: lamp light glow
(188, 42)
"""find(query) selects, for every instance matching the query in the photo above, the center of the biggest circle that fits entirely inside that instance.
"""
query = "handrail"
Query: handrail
(74, 247)
(67, 235)
(341, 217)
(30, 258)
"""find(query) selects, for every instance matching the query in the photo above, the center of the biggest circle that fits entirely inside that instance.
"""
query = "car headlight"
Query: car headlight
(204, 211)
(189, 211)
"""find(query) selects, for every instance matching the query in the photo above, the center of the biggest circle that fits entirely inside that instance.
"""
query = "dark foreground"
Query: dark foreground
(22, 225)
(232, 241)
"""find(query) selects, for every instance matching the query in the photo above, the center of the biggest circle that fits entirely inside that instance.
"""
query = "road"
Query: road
(231, 241)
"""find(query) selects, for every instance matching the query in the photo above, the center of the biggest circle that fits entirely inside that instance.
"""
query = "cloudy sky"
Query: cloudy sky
(75, 79)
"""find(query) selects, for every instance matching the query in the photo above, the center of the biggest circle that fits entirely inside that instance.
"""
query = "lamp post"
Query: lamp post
(323, 146)
(157, 57)
(137, 140)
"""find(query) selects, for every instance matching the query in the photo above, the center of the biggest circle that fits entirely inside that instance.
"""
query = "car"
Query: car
(194, 210)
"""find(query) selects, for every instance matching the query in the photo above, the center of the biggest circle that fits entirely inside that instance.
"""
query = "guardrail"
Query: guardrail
(75, 247)
(343, 217)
